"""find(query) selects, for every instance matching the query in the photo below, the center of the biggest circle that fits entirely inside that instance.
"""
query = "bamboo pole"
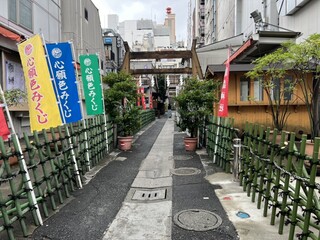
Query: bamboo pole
(87, 156)
(104, 111)
(64, 121)
(22, 160)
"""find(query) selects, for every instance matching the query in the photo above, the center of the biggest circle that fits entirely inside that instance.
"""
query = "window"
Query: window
(258, 90)
(275, 91)
(244, 88)
(287, 87)
(86, 14)
(20, 12)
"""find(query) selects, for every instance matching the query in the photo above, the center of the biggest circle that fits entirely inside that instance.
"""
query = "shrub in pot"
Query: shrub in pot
(194, 104)
(120, 102)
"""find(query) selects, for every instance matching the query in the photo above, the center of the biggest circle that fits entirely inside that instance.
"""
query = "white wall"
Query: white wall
(306, 20)
(161, 41)
(47, 20)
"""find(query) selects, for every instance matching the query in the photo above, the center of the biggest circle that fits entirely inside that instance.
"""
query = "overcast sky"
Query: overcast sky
(146, 9)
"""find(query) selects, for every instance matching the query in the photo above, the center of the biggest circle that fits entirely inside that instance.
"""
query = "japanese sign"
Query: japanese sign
(14, 76)
(62, 65)
(44, 112)
(91, 84)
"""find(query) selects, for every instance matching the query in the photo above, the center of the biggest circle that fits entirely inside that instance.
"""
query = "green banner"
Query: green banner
(89, 65)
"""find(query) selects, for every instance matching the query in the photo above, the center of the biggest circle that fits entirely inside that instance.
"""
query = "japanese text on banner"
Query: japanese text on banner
(89, 65)
(44, 112)
(63, 71)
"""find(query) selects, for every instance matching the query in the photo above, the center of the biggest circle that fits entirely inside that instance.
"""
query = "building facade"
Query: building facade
(253, 29)
(20, 19)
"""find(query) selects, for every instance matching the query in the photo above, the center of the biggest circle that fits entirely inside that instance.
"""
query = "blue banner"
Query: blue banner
(62, 65)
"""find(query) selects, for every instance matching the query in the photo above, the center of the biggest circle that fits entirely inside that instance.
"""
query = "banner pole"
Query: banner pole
(87, 156)
(104, 109)
(24, 165)
(73, 156)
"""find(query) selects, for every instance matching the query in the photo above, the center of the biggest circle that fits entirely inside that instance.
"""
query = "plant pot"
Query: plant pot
(50, 138)
(125, 143)
(190, 144)
(13, 160)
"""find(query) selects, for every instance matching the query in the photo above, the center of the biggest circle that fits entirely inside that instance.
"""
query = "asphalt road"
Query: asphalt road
(92, 209)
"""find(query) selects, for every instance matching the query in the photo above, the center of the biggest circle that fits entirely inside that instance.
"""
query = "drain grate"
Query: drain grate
(185, 171)
(149, 195)
(197, 220)
(182, 157)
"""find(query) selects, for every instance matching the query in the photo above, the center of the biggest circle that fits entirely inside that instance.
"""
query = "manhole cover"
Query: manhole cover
(185, 171)
(197, 220)
(182, 157)
(149, 195)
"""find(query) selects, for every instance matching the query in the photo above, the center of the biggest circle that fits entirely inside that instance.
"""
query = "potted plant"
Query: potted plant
(194, 104)
(13, 97)
(120, 102)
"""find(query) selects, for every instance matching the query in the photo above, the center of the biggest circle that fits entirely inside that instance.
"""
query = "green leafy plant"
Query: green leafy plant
(120, 102)
(272, 76)
(15, 96)
(300, 60)
(195, 103)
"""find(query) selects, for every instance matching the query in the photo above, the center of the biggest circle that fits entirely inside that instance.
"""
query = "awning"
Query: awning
(220, 68)
(259, 44)
(9, 34)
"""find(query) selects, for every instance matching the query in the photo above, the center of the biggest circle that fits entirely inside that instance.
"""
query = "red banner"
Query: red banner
(4, 130)
(150, 99)
(143, 100)
(223, 105)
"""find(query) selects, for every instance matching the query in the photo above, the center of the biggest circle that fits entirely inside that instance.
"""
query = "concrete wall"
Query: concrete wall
(305, 20)
(86, 34)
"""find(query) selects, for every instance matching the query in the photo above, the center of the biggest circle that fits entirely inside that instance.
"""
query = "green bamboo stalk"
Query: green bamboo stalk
(76, 173)
(43, 161)
(310, 195)
(12, 188)
(254, 164)
(247, 156)
(66, 164)
(296, 196)
(223, 147)
(264, 170)
(288, 168)
(54, 173)
(277, 183)
(5, 215)
(37, 178)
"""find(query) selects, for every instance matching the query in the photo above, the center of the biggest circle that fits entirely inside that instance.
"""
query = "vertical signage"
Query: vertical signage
(91, 84)
(62, 66)
(44, 112)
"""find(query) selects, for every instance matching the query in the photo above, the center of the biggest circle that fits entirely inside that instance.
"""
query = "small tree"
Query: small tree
(195, 103)
(301, 60)
(272, 74)
(305, 61)
(120, 102)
